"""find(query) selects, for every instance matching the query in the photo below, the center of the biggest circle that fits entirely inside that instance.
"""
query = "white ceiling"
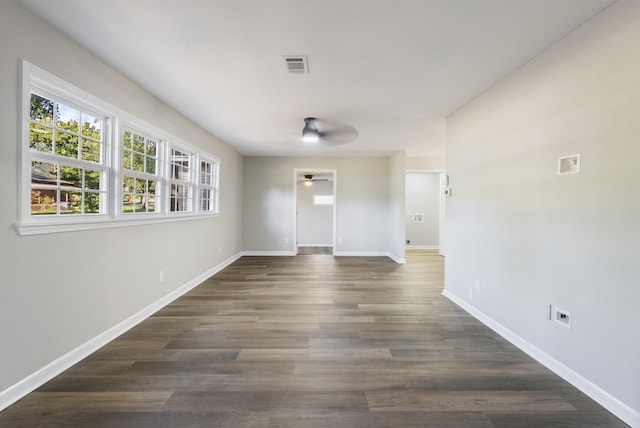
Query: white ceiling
(392, 69)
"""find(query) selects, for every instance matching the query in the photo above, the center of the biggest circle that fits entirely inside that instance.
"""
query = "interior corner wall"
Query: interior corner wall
(61, 290)
(397, 197)
(531, 238)
(362, 198)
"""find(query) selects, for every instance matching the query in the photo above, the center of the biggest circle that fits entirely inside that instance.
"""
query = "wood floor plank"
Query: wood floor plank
(95, 401)
(311, 341)
(382, 420)
(342, 355)
(233, 401)
(132, 383)
(470, 401)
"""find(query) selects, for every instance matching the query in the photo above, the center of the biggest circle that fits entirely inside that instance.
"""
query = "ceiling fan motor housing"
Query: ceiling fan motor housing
(310, 133)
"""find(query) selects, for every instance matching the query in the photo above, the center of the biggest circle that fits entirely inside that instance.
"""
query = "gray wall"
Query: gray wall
(423, 196)
(60, 290)
(534, 238)
(362, 203)
(315, 222)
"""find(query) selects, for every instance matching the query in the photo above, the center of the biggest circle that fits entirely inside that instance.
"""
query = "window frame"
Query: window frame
(116, 121)
(178, 181)
(158, 177)
(193, 182)
(214, 187)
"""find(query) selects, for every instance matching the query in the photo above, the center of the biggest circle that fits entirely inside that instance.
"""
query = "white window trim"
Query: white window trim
(33, 76)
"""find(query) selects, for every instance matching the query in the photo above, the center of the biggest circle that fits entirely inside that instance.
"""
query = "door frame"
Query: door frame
(442, 204)
(334, 173)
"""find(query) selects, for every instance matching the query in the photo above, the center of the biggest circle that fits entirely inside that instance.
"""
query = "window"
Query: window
(208, 186)
(323, 199)
(66, 149)
(139, 163)
(181, 186)
(193, 176)
(87, 164)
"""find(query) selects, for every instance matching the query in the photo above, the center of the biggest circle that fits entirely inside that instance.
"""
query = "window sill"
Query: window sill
(39, 228)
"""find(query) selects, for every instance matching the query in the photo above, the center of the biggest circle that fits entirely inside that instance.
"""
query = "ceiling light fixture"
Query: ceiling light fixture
(308, 180)
(310, 133)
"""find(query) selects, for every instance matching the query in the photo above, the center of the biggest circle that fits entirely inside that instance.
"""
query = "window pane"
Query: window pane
(43, 201)
(70, 202)
(127, 184)
(44, 173)
(138, 195)
(180, 198)
(40, 138)
(67, 145)
(41, 109)
(92, 179)
(92, 203)
(151, 165)
(138, 143)
(90, 150)
(205, 173)
(138, 162)
(126, 159)
(205, 200)
(91, 127)
(151, 148)
(68, 118)
(180, 165)
(140, 186)
(126, 139)
(127, 203)
(71, 177)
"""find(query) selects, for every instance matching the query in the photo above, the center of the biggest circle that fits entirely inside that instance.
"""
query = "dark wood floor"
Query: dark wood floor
(311, 341)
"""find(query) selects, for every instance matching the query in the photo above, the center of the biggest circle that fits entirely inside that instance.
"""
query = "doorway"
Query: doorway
(315, 210)
(424, 224)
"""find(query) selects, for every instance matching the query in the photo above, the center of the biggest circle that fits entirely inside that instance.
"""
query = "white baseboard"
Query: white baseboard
(608, 401)
(335, 253)
(399, 260)
(421, 247)
(54, 368)
(269, 253)
(315, 245)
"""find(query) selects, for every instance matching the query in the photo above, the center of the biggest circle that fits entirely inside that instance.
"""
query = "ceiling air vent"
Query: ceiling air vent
(296, 64)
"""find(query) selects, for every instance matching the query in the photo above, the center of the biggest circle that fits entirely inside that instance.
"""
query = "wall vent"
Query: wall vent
(298, 64)
(569, 165)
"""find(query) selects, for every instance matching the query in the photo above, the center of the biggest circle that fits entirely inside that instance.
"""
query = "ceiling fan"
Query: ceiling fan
(326, 132)
(309, 180)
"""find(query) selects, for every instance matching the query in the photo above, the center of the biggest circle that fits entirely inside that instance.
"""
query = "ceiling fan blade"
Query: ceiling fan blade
(339, 135)
(327, 132)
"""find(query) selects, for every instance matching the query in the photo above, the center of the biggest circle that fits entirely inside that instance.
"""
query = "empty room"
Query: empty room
(287, 213)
